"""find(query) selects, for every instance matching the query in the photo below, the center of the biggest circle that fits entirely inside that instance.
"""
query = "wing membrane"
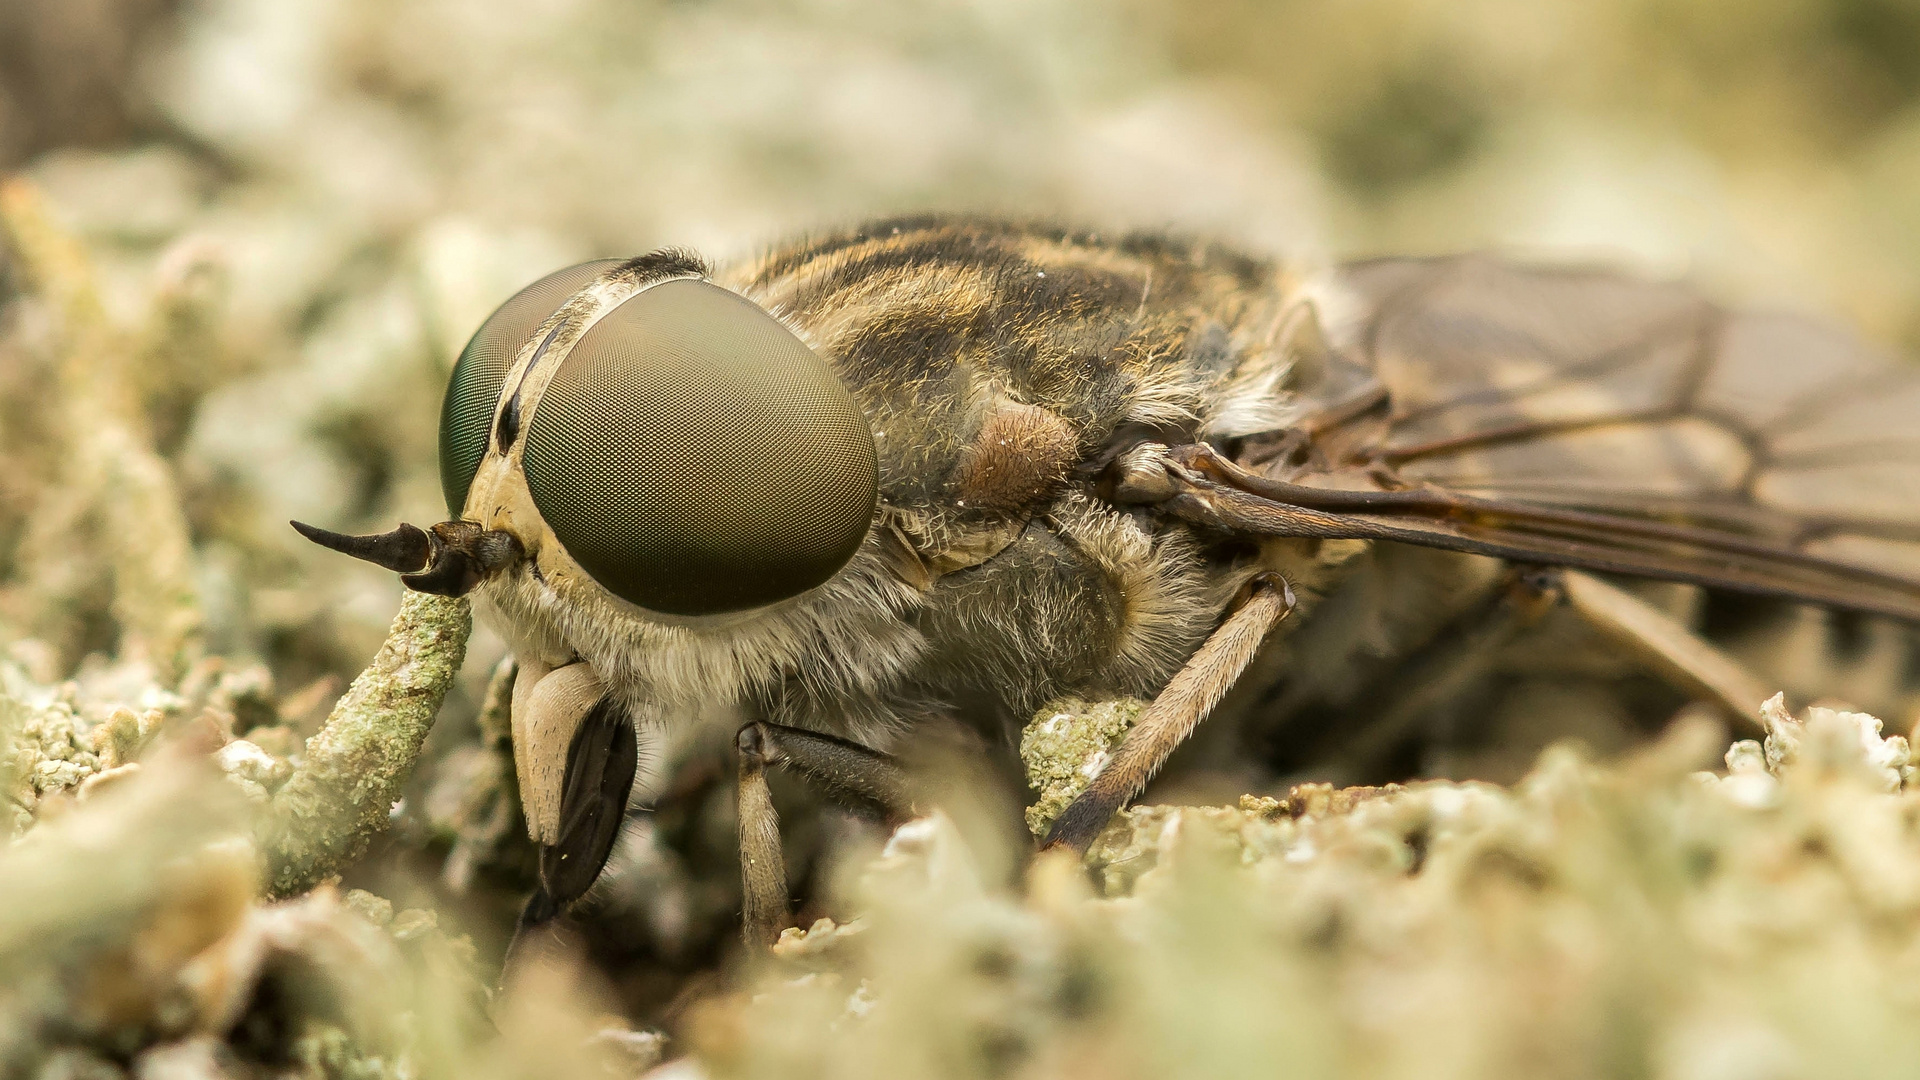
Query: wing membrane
(1589, 419)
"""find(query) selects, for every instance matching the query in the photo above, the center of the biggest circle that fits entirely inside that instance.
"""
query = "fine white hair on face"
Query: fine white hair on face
(850, 637)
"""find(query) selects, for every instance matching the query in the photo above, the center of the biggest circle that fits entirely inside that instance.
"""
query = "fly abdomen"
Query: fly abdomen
(1816, 654)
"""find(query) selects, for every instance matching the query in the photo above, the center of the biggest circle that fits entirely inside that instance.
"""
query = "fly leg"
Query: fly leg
(1685, 660)
(1196, 484)
(764, 910)
(1192, 693)
(1460, 655)
(864, 781)
(1466, 651)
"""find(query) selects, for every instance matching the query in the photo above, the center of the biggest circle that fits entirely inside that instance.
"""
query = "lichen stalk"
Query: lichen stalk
(356, 767)
(113, 477)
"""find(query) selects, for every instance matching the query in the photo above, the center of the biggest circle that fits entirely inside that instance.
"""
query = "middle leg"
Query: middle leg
(866, 782)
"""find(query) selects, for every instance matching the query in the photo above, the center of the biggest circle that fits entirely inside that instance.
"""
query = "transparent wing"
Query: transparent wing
(1589, 419)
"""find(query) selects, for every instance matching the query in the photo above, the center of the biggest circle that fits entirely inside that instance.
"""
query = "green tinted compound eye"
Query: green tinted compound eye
(696, 457)
(473, 390)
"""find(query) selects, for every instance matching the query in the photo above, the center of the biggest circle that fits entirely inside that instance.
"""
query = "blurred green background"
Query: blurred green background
(346, 187)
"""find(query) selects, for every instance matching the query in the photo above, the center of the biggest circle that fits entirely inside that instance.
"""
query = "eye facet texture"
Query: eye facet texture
(474, 388)
(695, 457)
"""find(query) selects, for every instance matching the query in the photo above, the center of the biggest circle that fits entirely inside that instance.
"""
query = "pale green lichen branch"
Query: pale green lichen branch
(1065, 746)
(342, 794)
(112, 477)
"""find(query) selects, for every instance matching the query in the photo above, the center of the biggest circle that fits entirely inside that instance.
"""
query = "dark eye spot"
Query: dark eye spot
(466, 413)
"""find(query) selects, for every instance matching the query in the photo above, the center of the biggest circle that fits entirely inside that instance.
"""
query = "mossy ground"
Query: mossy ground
(1693, 909)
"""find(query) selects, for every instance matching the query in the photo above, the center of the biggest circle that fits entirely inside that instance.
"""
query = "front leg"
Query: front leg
(1187, 699)
(864, 781)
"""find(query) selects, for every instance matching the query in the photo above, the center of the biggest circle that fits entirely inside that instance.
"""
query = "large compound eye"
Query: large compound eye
(474, 388)
(696, 457)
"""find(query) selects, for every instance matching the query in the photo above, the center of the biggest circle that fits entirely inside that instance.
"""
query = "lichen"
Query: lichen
(1065, 746)
(353, 771)
(1642, 913)
(65, 742)
(112, 477)
(1674, 915)
(328, 1052)
(474, 802)
(15, 803)
(52, 752)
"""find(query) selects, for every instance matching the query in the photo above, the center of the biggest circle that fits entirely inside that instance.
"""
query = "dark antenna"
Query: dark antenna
(405, 550)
